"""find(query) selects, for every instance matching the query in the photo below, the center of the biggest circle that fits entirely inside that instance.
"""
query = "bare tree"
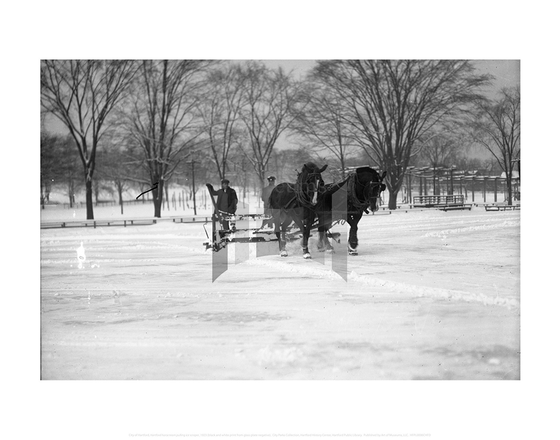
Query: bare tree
(114, 166)
(59, 166)
(390, 104)
(50, 164)
(270, 97)
(194, 172)
(497, 126)
(287, 163)
(439, 147)
(162, 120)
(69, 170)
(322, 126)
(220, 110)
(82, 94)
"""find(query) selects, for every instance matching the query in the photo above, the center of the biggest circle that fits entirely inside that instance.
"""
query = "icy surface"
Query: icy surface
(431, 295)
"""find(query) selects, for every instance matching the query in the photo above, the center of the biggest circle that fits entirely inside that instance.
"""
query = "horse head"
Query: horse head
(371, 185)
(310, 183)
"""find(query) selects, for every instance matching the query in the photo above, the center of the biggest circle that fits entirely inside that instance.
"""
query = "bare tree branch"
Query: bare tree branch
(391, 104)
(497, 126)
(161, 117)
(81, 94)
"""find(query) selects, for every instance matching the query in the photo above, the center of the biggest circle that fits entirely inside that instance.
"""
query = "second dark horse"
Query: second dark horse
(297, 202)
(364, 187)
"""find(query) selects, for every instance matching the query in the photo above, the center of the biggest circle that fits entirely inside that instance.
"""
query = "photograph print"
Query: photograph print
(280, 219)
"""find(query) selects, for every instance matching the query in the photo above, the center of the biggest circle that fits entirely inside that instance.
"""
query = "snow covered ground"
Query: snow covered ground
(432, 295)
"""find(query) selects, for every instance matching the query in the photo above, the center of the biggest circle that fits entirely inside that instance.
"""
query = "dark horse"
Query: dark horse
(364, 186)
(297, 202)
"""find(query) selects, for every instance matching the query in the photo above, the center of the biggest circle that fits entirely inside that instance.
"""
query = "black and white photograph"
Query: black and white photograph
(297, 219)
(321, 219)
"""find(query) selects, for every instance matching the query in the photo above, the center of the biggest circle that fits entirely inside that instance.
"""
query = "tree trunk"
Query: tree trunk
(157, 206)
(71, 192)
(89, 191)
(120, 190)
(166, 196)
(393, 187)
(393, 197)
(157, 197)
(89, 199)
(509, 190)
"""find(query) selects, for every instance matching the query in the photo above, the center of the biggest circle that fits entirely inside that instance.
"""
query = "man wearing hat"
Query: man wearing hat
(266, 191)
(227, 199)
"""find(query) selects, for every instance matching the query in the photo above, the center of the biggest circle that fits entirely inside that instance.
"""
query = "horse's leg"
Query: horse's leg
(277, 233)
(305, 241)
(298, 217)
(324, 244)
(321, 229)
(353, 239)
(306, 233)
(321, 240)
(280, 232)
(325, 223)
(284, 226)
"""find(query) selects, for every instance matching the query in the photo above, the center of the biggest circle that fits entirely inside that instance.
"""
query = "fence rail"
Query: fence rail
(456, 199)
(106, 203)
(121, 222)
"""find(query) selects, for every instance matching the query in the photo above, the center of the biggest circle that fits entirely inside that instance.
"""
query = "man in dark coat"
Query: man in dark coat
(266, 191)
(227, 200)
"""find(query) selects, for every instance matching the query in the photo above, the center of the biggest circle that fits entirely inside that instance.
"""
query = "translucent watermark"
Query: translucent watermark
(237, 243)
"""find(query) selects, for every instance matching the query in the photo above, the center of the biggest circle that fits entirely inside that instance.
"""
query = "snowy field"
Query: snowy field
(432, 295)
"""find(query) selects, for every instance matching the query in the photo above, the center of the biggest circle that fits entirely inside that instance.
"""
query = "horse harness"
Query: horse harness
(301, 196)
(362, 205)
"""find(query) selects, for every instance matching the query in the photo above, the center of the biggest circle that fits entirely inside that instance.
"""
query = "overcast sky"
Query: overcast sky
(506, 72)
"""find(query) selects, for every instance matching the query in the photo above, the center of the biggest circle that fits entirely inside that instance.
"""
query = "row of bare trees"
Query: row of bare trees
(246, 110)
(149, 117)
(154, 115)
(392, 110)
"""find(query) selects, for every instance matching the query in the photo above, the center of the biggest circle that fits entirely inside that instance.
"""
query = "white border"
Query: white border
(278, 30)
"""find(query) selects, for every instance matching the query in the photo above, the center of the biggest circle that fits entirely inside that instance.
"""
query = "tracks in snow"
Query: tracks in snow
(324, 272)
